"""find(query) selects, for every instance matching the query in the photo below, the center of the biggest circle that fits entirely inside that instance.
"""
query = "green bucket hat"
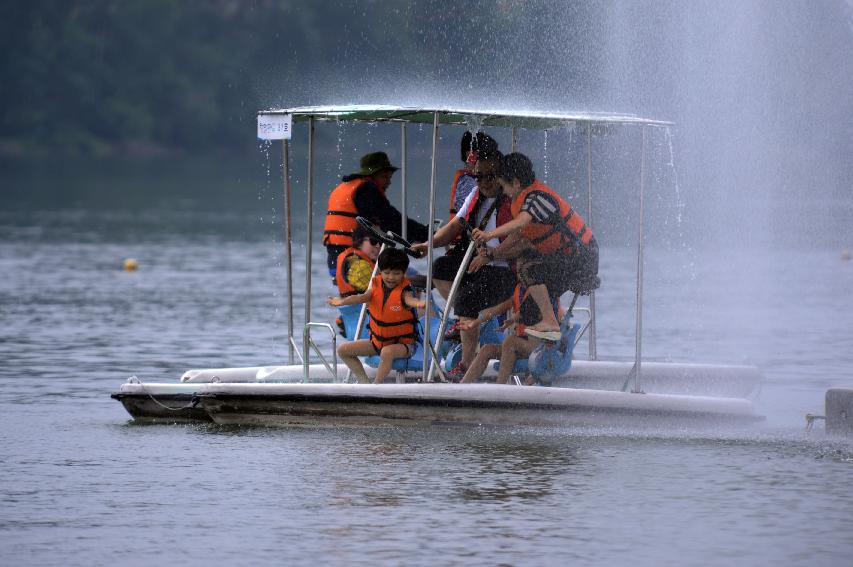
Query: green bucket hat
(372, 163)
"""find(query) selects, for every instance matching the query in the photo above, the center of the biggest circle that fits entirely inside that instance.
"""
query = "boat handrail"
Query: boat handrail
(307, 342)
(295, 349)
(585, 326)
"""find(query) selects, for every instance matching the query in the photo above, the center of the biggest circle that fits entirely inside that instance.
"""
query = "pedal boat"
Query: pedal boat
(635, 393)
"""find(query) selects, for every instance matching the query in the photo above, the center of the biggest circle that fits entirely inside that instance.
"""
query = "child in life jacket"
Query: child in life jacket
(355, 264)
(393, 318)
(515, 345)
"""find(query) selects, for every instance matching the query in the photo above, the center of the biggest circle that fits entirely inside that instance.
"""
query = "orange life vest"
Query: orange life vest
(549, 238)
(391, 321)
(519, 296)
(344, 287)
(340, 218)
(459, 173)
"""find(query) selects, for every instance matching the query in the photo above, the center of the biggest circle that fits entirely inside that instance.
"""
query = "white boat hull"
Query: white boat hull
(733, 381)
(416, 404)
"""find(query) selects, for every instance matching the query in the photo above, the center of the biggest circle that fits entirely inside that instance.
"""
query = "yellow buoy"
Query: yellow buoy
(845, 254)
(130, 265)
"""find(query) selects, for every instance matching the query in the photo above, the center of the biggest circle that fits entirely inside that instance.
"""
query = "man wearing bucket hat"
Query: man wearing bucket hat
(363, 194)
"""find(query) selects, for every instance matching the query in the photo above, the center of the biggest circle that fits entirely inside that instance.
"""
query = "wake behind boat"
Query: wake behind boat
(575, 391)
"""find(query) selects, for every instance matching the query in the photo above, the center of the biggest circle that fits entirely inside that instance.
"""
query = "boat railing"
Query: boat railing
(588, 312)
(294, 349)
(308, 342)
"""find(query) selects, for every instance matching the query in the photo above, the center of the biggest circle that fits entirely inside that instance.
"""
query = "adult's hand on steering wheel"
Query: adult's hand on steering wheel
(480, 236)
(421, 248)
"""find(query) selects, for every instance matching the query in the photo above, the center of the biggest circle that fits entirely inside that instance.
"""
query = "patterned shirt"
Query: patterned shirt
(466, 185)
(542, 207)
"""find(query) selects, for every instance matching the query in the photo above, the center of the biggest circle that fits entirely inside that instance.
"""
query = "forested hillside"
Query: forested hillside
(98, 76)
(137, 77)
(94, 76)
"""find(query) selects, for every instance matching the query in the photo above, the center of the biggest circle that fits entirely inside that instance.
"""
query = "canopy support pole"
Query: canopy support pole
(308, 241)
(514, 138)
(451, 297)
(427, 351)
(593, 346)
(637, 371)
(288, 243)
(405, 226)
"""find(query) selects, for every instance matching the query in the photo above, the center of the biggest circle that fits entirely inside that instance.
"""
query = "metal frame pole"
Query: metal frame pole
(288, 243)
(514, 138)
(638, 354)
(427, 353)
(593, 346)
(403, 150)
(308, 241)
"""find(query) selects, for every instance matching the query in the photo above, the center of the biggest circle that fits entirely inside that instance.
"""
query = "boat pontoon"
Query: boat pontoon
(579, 391)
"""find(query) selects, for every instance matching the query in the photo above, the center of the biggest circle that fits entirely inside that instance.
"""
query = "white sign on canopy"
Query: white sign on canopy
(274, 126)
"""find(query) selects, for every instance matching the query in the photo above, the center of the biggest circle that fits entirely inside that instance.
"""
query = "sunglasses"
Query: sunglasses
(374, 241)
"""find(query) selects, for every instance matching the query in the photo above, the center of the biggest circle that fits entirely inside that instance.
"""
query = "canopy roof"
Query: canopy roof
(459, 116)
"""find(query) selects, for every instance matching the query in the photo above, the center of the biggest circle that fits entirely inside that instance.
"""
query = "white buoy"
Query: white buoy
(839, 411)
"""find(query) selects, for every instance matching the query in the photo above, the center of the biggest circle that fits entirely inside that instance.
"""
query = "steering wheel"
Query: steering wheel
(388, 238)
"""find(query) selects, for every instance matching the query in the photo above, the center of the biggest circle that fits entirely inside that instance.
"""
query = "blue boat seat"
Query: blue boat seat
(549, 360)
(414, 363)
(349, 315)
(489, 334)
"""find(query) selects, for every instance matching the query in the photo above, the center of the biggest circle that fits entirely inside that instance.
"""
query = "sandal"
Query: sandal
(552, 336)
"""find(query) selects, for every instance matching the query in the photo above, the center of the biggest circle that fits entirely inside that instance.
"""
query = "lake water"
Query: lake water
(81, 484)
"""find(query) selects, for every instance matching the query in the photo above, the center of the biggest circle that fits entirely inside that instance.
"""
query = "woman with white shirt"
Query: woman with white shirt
(489, 281)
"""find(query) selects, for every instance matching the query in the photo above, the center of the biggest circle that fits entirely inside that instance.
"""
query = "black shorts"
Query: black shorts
(530, 314)
(410, 348)
(485, 288)
(561, 272)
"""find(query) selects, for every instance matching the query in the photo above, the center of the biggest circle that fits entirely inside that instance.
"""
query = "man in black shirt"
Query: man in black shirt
(363, 194)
